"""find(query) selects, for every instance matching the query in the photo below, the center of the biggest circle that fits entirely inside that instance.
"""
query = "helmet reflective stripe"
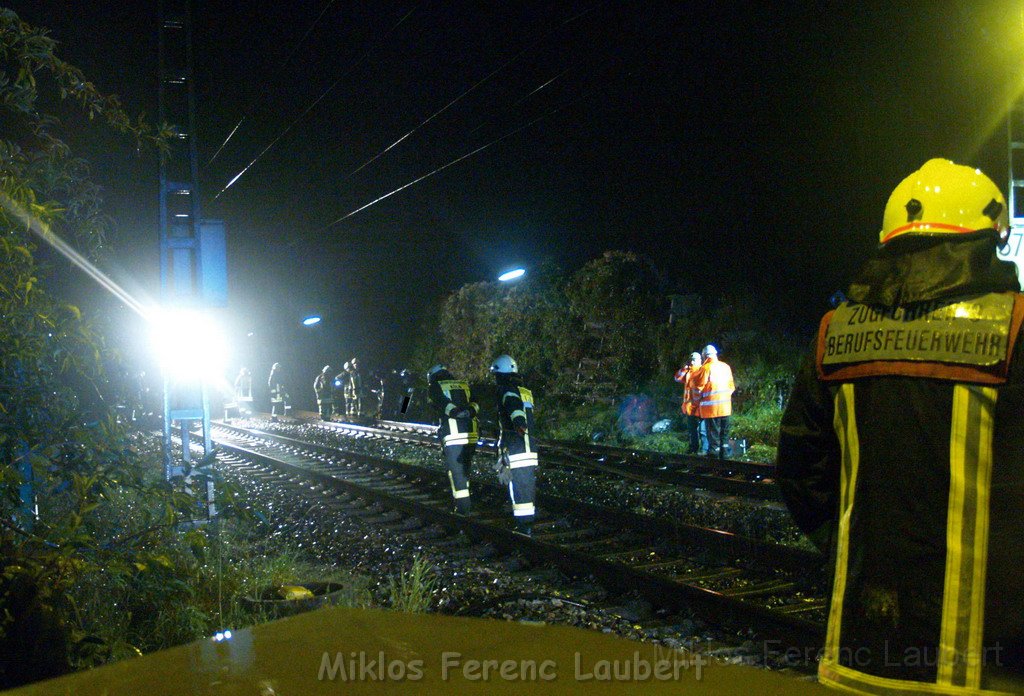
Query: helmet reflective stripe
(944, 198)
(504, 364)
(434, 370)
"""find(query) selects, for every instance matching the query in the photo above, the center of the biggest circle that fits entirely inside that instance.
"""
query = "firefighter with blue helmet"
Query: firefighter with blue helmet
(457, 418)
(517, 451)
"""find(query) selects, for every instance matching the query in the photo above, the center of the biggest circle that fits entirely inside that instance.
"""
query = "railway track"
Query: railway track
(727, 477)
(733, 581)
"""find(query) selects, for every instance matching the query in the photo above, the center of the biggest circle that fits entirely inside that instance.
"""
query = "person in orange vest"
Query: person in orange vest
(715, 385)
(901, 451)
(687, 376)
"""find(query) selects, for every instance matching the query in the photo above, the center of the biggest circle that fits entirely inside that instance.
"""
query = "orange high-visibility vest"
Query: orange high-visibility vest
(716, 386)
(687, 376)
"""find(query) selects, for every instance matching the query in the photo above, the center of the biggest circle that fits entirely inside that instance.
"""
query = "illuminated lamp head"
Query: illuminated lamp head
(189, 344)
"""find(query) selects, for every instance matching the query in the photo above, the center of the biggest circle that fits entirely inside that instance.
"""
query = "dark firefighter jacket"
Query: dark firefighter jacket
(902, 449)
(456, 411)
(323, 386)
(276, 387)
(515, 411)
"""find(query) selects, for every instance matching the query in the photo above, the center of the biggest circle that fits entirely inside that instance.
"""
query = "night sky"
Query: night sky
(741, 147)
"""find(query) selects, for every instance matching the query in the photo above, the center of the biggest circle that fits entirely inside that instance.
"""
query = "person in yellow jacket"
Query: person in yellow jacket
(715, 384)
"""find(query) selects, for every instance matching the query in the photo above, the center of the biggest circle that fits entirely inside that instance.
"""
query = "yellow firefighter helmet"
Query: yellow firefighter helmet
(944, 198)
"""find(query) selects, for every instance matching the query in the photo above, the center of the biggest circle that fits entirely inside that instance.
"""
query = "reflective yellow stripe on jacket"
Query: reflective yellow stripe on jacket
(961, 649)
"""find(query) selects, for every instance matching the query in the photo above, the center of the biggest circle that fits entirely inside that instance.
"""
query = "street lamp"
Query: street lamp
(312, 320)
(512, 275)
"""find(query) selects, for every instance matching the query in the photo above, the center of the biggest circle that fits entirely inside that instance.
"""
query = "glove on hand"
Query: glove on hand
(503, 469)
(521, 429)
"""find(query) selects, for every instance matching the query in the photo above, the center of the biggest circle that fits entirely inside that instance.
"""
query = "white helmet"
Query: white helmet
(504, 365)
(710, 350)
(434, 370)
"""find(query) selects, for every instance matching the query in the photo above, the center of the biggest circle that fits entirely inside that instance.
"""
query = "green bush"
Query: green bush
(761, 453)
(671, 442)
(759, 424)
(578, 423)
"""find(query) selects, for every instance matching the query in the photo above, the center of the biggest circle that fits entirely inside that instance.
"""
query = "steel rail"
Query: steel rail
(787, 626)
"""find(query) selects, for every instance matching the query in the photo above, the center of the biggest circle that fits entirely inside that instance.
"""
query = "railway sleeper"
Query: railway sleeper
(714, 574)
(770, 587)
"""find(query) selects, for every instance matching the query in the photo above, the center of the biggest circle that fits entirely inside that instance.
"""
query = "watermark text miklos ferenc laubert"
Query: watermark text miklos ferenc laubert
(665, 665)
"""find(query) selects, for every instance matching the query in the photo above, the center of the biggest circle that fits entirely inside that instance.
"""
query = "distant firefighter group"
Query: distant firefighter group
(347, 393)
(349, 380)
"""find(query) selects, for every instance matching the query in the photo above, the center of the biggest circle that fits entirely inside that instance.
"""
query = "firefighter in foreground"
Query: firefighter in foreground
(902, 450)
(457, 416)
(323, 387)
(517, 456)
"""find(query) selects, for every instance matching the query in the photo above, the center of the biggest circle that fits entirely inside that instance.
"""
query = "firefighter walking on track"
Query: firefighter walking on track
(457, 417)
(901, 450)
(518, 456)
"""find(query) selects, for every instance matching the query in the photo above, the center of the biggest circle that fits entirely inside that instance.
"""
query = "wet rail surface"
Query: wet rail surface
(726, 476)
(730, 580)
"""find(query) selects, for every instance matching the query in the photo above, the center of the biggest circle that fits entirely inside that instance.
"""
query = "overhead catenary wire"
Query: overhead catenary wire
(284, 64)
(468, 91)
(314, 104)
(467, 155)
(532, 92)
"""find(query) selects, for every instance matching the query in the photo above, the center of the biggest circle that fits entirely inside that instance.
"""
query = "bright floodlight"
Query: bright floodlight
(512, 275)
(311, 320)
(189, 343)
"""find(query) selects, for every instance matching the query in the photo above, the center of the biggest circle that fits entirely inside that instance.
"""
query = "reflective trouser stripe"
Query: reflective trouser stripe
(460, 439)
(522, 509)
(516, 461)
(456, 492)
(963, 597)
(852, 681)
(521, 492)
